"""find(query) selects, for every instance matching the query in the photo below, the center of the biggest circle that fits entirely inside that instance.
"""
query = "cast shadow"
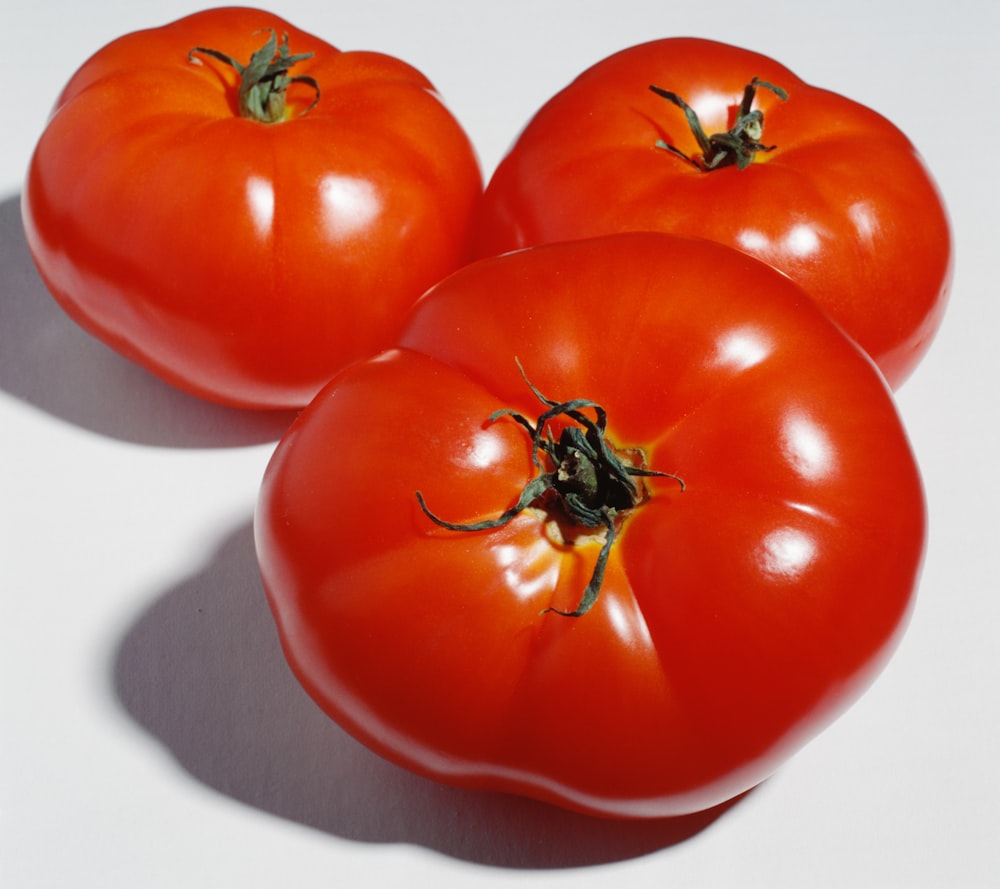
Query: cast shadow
(202, 671)
(49, 362)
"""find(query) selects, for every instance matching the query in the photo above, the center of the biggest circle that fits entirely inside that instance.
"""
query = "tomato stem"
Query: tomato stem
(738, 145)
(590, 482)
(265, 80)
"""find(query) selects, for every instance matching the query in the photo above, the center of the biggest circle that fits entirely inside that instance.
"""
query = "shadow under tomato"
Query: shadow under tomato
(48, 361)
(202, 671)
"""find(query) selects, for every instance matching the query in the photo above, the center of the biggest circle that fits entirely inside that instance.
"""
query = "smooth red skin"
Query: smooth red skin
(709, 657)
(142, 208)
(844, 205)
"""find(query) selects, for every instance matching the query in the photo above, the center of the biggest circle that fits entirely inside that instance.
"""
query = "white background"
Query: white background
(150, 733)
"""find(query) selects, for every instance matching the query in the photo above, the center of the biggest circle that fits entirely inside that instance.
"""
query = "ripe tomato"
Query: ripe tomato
(749, 593)
(245, 242)
(829, 192)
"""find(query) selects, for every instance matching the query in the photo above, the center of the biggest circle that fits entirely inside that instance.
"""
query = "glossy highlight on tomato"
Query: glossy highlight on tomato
(246, 243)
(752, 591)
(833, 195)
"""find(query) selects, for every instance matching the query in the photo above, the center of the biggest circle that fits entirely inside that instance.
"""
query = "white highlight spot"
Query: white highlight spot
(485, 451)
(260, 197)
(802, 241)
(349, 205)
(741, 349)
(863, 217)
(807, 448)
(530, 571)
(753, 241)
(786, 553)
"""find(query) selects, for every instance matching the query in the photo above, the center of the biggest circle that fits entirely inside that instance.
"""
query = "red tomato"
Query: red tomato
(749, 594)
(244, 260)
(830, 192)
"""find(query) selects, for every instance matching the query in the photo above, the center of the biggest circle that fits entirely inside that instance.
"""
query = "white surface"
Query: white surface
(150, 733)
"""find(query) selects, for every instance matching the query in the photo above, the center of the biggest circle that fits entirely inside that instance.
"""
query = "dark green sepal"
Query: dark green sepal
(737, 146)
(264, 81)
(589, 481)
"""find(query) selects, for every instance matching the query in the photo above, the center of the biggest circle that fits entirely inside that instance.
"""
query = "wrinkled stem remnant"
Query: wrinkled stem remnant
(589, 480)
(265, 80)
(738, 145)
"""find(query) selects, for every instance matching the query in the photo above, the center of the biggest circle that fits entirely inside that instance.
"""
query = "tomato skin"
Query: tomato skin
(242, 261)
(844, 204)
(737, 617)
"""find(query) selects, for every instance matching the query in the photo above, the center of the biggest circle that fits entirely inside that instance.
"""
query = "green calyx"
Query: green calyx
(579, 473)
(264, 81)
(738, 145)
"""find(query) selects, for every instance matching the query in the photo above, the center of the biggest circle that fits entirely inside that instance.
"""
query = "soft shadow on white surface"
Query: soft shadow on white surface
(49, 362)
(202, 671)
